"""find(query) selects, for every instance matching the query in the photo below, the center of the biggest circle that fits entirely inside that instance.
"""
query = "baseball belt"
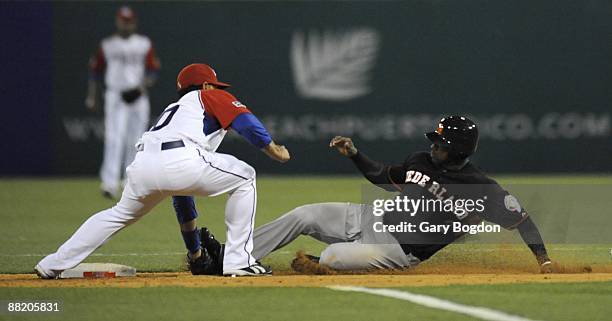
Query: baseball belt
(165, 146)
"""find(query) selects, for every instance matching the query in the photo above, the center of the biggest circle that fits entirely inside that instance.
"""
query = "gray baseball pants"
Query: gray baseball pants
(351, 247)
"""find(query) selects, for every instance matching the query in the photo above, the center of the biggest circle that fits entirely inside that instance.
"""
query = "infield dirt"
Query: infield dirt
(437, 274)
(184, 279)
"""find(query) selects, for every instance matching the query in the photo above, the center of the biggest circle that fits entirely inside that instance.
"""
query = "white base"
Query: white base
(80, 270)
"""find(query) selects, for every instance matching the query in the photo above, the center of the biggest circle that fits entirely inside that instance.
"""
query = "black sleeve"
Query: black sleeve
(378, 173)
(501, 207)
(504, 209)
(531, 236)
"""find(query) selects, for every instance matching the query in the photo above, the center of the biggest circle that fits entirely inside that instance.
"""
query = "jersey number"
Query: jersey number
(170, 113)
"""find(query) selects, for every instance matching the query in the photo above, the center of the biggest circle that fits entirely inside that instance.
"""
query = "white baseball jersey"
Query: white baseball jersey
(199, 117)
(124, 61)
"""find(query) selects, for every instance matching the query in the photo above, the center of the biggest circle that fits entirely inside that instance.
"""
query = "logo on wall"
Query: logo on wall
(334, 66)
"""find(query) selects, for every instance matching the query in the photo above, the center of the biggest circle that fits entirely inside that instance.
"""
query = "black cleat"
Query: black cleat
(108, 195)
(313, 258)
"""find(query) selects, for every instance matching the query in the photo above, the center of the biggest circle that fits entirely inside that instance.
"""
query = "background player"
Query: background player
(354, 247)
(128, 64)
(177, 157)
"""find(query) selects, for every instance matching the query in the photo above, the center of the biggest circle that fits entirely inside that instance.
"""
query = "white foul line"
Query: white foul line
(433, 302)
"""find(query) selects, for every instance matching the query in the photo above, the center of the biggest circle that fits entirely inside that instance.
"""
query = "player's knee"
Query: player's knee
(249, 171)
(252, 172)
(332, 258)
(247, 177)
(119, 210)
(303, 214)
(116, 215)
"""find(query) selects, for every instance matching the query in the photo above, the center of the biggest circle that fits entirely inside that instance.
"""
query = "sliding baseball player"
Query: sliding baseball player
(360, 240)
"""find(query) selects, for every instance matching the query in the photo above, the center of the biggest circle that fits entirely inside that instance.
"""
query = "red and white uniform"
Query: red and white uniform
(187, 120)
(195, 169)
(123, 63)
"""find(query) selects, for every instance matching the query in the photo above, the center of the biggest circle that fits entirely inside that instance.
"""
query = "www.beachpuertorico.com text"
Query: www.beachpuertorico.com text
(422, 206)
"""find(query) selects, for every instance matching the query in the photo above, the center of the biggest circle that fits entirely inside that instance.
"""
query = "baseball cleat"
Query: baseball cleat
(44, 274)
(313, 258)
(108, 195)
(254, 270)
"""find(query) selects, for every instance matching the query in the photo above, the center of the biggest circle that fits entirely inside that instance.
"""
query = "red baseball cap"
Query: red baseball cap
(196, 75)
(126, 13)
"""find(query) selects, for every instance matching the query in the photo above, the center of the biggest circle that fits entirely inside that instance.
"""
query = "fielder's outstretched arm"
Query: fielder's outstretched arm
(249, 127)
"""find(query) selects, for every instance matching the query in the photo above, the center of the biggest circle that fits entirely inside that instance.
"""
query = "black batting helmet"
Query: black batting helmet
(458, 133)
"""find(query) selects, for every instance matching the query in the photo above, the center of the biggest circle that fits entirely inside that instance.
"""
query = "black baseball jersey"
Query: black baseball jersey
(419, 178)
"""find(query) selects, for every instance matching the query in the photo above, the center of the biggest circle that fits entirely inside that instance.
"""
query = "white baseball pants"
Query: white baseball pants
(155, 175)
(123, 125)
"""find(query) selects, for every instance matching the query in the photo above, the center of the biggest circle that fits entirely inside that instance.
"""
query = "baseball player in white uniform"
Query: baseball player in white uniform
(177, 156)
(128, 64)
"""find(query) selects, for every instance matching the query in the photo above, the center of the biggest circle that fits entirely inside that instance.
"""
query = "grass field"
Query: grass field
(586, 301)
(40, 214)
